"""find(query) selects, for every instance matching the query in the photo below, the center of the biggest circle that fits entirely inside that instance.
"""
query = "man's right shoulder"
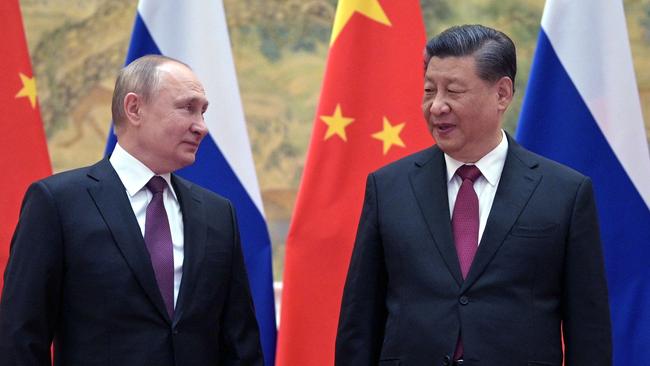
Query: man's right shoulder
(400, 166)
(72, 179)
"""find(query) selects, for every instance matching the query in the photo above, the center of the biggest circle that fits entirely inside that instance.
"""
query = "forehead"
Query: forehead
(451, 68)
(180, 79)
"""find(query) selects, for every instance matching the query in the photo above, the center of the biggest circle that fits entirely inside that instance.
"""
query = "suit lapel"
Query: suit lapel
(113, 204)
(195, 235)
(518, 182)
(429, 183)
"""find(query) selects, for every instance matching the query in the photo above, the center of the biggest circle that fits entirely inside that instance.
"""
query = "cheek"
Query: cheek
(426, 106)
(174, 127)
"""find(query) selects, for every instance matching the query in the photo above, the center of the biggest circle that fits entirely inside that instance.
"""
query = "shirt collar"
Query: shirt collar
(133, 173)
(490, 165)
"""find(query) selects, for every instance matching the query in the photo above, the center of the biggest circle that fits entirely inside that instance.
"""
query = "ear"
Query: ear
(133, 108)
(505, 93)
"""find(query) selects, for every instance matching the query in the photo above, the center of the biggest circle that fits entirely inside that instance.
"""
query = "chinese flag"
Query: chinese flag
(23, 151)
(369, 115)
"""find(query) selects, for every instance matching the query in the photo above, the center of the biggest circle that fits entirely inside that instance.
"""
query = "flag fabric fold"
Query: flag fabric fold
(582, 109)
(369, 114)
(196, 33)
(23, 148)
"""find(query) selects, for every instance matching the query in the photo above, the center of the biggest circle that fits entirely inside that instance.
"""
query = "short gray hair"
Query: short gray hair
(141, 76)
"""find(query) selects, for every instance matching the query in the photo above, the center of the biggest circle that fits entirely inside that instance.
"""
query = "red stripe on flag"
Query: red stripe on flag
(23, 150)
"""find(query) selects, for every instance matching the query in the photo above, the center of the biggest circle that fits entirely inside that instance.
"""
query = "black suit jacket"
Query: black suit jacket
(79, 274)
(538, 268)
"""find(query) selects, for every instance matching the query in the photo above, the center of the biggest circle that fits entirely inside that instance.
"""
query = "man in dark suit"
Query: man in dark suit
(123, 263)
(475, 251)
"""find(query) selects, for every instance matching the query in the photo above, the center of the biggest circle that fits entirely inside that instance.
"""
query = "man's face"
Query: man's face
(172, 124)
(463, 111)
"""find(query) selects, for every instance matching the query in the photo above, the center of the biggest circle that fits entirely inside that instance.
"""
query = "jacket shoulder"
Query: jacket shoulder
(71, 179)
(200, 192)
(404, 164)
(548, 167)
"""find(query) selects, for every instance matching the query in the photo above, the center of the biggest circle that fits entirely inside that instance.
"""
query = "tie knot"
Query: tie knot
(156, 184)
(470, 172)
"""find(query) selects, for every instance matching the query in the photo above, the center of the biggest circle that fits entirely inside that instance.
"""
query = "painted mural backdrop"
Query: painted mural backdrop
(280, 48)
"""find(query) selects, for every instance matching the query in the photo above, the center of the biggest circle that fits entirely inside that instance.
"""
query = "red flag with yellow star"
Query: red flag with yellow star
(23, 151)
(369, 115)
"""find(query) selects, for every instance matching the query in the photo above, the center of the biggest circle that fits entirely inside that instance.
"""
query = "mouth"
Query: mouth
(443, 128)
(193, 144)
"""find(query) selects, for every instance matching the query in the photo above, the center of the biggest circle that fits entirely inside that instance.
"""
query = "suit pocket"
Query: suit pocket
(390, 362)
(537, 231)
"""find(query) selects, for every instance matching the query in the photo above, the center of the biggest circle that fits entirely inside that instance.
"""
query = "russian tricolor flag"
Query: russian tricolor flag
(582, 109)
(196, 33)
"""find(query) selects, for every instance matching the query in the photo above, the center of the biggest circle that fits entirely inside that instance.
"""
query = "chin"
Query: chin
(444, 145)
(190, 160)
(184, 161)
(448, 148)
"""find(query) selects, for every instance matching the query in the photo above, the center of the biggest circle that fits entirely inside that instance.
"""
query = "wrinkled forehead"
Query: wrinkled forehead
(179, 78)
(451, 67)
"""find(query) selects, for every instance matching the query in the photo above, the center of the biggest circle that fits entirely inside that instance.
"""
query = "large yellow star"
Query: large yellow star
(336, 124)
(347, 8)
(28, 90)
(390, 135)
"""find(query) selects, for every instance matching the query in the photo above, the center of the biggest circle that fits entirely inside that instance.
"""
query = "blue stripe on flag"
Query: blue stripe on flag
(556, 123)
(212, 171)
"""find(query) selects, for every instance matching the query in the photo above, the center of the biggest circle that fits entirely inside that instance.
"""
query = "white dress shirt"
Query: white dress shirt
(134, 176)
(491, 166)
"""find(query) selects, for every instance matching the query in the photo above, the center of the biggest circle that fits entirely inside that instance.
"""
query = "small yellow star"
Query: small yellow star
(347, 8)
(336, 124)
(390, 135)
(28, 90)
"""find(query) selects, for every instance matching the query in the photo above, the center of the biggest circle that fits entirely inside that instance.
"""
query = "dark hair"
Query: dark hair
(141, 76)
(493, 51)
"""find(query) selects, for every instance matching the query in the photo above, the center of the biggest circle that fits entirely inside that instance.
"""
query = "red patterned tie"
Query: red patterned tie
(158, 238)
(465, 223)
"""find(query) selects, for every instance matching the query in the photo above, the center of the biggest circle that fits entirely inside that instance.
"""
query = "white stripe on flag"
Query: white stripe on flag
(205, 46)
(584, 35)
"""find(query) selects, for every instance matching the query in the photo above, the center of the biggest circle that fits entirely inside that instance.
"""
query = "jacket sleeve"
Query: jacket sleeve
(240, 332)
(586, 319)
(32, 282)
(363, 310)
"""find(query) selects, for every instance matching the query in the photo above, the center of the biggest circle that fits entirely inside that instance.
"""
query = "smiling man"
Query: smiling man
(123, 262)
(475, 251)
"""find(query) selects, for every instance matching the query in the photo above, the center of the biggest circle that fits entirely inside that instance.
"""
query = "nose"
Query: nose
(199, 127)
(439, 105)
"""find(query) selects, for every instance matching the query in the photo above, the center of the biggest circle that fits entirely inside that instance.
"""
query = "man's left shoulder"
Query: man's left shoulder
(185, 187)
(545, 166)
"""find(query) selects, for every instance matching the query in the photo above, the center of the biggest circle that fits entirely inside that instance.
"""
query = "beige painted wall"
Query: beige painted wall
(280, 49)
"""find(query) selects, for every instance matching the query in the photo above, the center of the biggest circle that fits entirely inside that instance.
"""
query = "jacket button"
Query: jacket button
(464, 300)
(446, 360)
(175, 332)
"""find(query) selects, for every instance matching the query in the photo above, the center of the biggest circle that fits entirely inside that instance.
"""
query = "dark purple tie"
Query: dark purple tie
(464, 222)
(158, 239)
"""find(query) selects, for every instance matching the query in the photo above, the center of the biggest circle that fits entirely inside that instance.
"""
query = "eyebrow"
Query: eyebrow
(449, 80)
(193, 99)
